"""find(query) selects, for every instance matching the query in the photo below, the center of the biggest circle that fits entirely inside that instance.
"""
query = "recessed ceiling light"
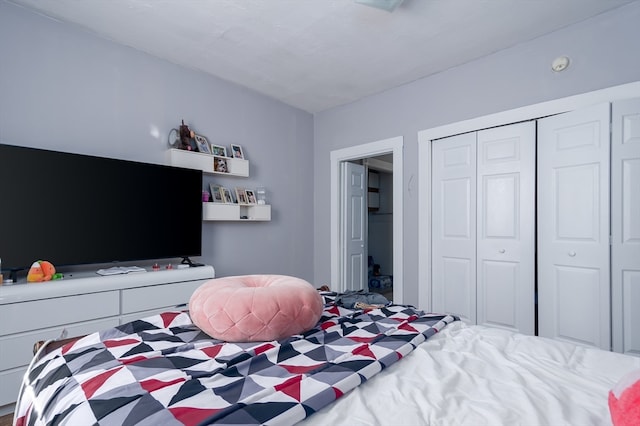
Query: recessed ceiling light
(388, 5)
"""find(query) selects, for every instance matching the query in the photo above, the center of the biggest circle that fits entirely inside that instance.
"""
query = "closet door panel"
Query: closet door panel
(573, 223)
(625, 221)
(576, 203)
(454, 226)
(577, 299)
(501, 282)
(457, 279)
(506, 230)
(630, 312)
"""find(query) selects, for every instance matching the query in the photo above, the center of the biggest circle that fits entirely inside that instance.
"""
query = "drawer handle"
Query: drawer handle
(572, 253)
(501, 251)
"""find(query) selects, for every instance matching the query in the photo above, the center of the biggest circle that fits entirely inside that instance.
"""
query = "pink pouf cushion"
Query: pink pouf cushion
(253, 308)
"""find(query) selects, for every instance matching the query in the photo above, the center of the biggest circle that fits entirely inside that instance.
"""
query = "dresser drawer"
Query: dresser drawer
(46, 313)
(158, 296)
(17, 350)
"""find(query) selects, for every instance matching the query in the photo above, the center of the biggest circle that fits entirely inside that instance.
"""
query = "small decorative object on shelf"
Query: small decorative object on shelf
(174, 138)
(227, 195)
(216, 193)
(220, 165)
(203, 144)
(236, 151)
(261, 195)
(186, 138)
(251, 196)
(219, 150)
(241, 196)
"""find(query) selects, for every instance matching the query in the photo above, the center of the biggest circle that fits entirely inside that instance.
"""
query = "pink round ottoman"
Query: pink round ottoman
(253, 308)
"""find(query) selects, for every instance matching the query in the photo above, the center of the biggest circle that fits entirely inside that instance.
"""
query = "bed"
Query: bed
(372, 366)
(476, 375)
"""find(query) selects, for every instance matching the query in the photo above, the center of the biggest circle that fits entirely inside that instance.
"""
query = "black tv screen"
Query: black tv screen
(73, 209)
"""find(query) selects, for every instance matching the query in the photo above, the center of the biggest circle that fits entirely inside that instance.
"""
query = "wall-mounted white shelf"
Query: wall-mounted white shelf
(236, 212)
(221, 211)
(206, 162)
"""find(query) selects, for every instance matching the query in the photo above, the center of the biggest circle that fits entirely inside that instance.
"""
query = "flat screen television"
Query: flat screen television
(73, 209)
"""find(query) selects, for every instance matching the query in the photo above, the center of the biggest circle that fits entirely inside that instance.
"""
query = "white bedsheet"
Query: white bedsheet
(474, 375)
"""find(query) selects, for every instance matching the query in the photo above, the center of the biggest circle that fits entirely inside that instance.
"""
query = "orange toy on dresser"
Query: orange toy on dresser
(42, 271)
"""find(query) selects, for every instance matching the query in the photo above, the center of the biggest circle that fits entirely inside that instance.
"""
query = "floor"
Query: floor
(6, 420)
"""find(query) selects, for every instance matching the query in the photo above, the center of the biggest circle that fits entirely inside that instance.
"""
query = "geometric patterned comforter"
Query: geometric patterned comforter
(163, 370)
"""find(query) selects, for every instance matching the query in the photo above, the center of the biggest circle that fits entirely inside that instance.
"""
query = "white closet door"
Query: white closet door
(506, 227)
(573, 224)
(625, 221)
(454, 226)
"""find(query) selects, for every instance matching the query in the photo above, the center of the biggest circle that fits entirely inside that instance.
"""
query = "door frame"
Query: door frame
(386, 146)
(530, 112)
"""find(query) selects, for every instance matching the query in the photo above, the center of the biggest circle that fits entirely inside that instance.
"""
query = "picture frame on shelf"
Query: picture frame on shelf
(241, 195)
(251, 196)
(219, 150)
(203, 144)
(223, 198)
(220, 165)
(236, 151)
(227, 195)
(216, 195)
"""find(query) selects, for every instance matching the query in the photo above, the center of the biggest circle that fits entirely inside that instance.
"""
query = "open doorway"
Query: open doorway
(379, 213)
(342, 273)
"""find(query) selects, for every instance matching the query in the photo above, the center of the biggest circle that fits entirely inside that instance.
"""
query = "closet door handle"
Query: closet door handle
(501, 251)
(572, 253)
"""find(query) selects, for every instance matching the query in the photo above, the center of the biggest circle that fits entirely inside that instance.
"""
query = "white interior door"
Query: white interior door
(454, 226)
(625, 222)
(354, 232)
(506, 227)
(573, 224)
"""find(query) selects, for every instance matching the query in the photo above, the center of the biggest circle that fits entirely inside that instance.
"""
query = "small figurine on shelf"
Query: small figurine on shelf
(186, 138)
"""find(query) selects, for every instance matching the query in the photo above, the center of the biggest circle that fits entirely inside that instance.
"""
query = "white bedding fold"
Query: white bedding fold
(474, 375)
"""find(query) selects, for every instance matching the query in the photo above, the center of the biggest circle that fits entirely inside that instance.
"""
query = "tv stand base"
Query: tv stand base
(187, 261)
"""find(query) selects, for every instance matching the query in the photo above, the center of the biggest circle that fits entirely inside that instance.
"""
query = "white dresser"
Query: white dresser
(80, 304)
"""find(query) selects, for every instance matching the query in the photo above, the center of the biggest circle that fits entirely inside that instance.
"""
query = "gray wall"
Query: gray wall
(604, 53)
(65, 89)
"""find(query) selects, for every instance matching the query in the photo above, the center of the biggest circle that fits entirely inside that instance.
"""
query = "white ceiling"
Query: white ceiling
(317, 54)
